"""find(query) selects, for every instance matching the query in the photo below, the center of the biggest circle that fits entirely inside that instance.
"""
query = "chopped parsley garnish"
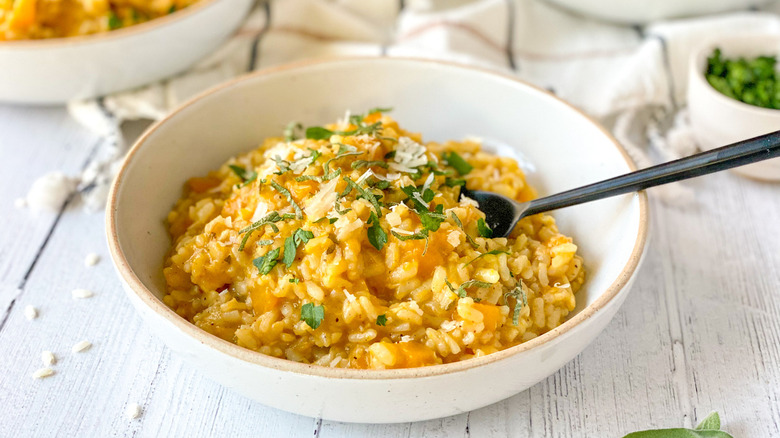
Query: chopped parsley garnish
(493, 252)
(376, 235)
(754, 81)
(113, 21)
(520, 297)
(460, 224)
(291, 131)
(363, 163)
(269, 219)
(381, 320)
(312, 315)
(366, 194)
(288, 195)
(484, 229)
(300, 236)
(266, 262)
(247, 176)
(457, 162)
(454, 182)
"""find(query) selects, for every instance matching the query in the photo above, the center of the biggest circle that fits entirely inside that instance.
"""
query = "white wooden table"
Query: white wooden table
(699, 332)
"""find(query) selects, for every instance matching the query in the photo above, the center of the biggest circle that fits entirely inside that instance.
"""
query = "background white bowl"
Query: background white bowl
(440, 100)
(645, 11)
(54, 71)
(718, 120)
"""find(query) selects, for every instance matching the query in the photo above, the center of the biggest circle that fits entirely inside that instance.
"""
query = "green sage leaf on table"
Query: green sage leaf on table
(708, 428)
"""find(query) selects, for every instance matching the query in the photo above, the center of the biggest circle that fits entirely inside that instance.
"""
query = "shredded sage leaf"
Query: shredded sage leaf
(381, 320)
(363, 163)
(420, 235)
(247, 176)
(493, 252)
(269, 219)
(278, 187)
(457, 162)
(462, 289)
(708, 428)
(484, 229)
(376, 235)
(320, 133)
(518, 293)
(266, 262)
(113, 21)
(291, 131)
(366, 194)
(454, 182)
(312, 315)
(460, 224)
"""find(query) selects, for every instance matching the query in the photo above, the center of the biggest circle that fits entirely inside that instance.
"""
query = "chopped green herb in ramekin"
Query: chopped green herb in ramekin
(753, 81)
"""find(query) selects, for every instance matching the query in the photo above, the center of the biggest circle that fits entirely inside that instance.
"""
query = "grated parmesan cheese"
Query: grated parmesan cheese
(260, 211)
(428, 182)
(453, 238)
(468, 201)
(321, 203)
(419, 198)
(408, 155)
(407, 338)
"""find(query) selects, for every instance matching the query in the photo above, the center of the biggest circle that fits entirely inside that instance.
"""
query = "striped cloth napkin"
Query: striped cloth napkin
(631, 78)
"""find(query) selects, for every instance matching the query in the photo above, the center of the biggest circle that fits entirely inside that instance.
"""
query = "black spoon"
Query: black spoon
(502, 213)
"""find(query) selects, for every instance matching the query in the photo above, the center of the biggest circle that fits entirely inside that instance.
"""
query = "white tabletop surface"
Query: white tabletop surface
(699, 332)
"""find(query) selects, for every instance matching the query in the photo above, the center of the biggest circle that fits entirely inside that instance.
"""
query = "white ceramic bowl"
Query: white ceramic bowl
(718, 120)
(443, 101)
(645, 11)
(53, 71)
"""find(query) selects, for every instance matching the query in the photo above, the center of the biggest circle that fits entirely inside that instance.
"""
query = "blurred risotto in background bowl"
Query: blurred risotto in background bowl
(351, 247)
(38, 19)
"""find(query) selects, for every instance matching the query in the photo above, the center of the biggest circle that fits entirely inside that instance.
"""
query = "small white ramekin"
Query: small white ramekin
(717, 119)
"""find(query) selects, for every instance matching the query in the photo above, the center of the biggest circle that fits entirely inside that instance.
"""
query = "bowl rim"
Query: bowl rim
(697, 63)
(134, 284)
(147, 26)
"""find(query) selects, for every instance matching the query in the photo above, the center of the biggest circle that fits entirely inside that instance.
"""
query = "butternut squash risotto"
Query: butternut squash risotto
(351, 247)
(36, 19)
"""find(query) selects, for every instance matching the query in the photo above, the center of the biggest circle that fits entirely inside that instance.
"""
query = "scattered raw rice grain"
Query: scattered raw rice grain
(30, 312)
(82, 293)
(92, 259)
(48, 358)
(42, 373)
(81, 346)
(133, 411)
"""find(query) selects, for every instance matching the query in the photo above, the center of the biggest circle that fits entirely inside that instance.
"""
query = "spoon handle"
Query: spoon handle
(737, 154)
